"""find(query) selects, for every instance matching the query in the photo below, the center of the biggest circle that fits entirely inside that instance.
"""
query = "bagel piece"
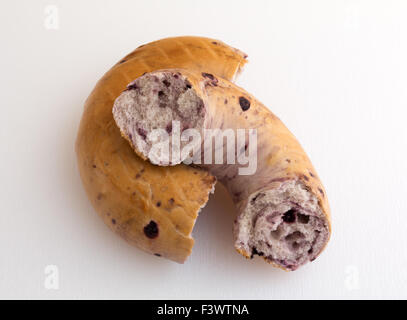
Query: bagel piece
(282, 207)
(153, 208)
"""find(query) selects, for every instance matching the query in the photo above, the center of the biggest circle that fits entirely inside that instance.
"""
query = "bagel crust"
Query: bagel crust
(151, 207)
(283, 211)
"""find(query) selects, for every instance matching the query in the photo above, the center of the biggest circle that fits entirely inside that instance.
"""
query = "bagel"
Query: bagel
(151, 207)
(283, 213)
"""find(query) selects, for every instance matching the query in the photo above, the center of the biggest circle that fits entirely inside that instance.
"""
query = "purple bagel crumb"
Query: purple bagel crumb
(132, 87)
(142, 133)
(168, 128)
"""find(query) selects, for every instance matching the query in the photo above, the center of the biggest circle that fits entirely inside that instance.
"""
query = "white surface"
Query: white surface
(334, 71)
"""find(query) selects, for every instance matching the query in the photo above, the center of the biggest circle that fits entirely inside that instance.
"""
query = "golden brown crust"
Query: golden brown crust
(127, 192)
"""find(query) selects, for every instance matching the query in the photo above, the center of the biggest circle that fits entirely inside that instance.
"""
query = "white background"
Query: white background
(334, 71)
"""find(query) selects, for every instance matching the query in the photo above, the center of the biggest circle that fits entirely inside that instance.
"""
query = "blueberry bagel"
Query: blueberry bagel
(282, 208)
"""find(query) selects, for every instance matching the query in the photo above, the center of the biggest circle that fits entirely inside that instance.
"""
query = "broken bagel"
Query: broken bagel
(283, 212)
